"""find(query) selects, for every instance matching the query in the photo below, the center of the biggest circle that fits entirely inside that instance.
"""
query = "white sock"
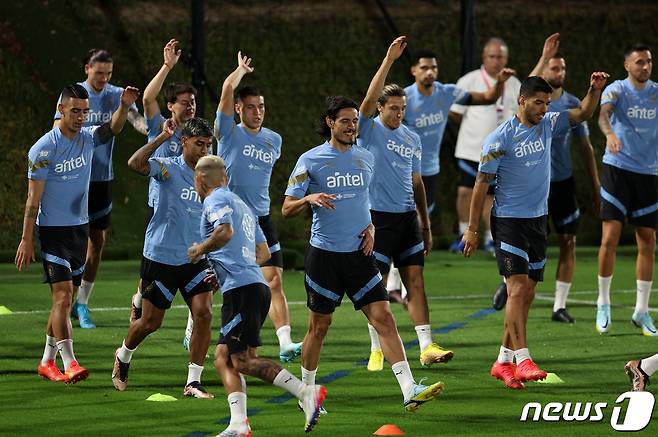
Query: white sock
(487, 236)
(125, 354)
(462, 227)
(424, 333)
(65, 348)
(393, 281)
(308, 376)
(374, 339)
(193, 373)
(84, 292)
(283, 334)
(649, 365)
(561, 293)
(50, 350)
(237, 403)
(137, 299)
(403, 374)
(289, 383)
(244, 383)
(505, 355)
(190, 325)
(604, 290)
(521, 355)
(643, 294)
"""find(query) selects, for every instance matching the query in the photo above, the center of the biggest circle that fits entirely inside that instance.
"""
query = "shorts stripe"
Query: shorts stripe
(613, 200)
(538, 265)
(515, 250)
(321, 290)
(412, 250)
(275, 248)
(466, 168)
(79, 271)
(644, 211)
(382, 258)
(102, 213)
(195, 281)
(55, 259)
(230, 325)
(369, 286)
(164, 291)
(570, 218)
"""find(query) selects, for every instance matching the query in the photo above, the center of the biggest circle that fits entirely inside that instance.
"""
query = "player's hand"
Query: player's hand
(505, 74)
(396, 48)
(171, 53)
(195, 253)
(244, 63)
(211, 280)
(470, 243)
(613, 144)
(551, 46)
(597, 80)
(322, 200)
(169, 128)
(129, 96)
(368, 240)
(427, 241)
(24, 254)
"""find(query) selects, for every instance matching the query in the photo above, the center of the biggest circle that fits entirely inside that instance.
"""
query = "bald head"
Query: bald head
(494, 56)
(209, 173)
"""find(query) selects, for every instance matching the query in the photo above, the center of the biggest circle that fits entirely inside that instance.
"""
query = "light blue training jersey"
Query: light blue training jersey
(101, 107)
(170, 148)
(175, 222)
(634, 122)
(397, 155)
(561, 167)
(520, 157)
(428, 116)
(65, 166)
(235, 263)
(249, 161)
(325, 169)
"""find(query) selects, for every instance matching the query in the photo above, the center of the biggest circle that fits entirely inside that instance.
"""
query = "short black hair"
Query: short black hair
(97, 55)
(74, 91)
(533, 85)
(423, 53)
(636, 48)
(172, 91)
(247, 91)
(334, 105)
(197, 127)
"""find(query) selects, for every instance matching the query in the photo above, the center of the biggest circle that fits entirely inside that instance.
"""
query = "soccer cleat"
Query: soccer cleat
(186, 342)
(500, 297)
(82, 314)
(455, 246)
(528, 371)
(644, 321)
(376, 361)
(603, 319)
(562, 316)
(195, 390)
(75, 373)
(51, 371)
(301, 408)
(135, 313)
(237, 430)
(506, 372)
(419, 394)
(639, 379)
(120, 373)
(312, 399)
(489, 247)
(290, 352)
(435, 354)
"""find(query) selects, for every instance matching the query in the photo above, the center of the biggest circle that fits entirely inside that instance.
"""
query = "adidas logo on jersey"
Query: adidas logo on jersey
(190, 194)
(528, 148)
(429, 120)
(405, 152)
(251, 151)
(347, 180)
(70, 164)
(641, 113)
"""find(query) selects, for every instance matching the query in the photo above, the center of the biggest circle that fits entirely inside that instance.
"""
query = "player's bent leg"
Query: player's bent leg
(62, 293)
(318, 326)
(279, 314)
(95, 246)
(201, 308)
(564, 276)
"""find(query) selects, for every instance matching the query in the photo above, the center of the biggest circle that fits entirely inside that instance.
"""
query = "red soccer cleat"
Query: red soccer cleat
(528, 371)
(75, 373)
(51, 371)
(506, 373)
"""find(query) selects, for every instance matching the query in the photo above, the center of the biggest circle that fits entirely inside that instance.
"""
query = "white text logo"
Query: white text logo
(641, 113)
(251, 151)
(71, 164)
(528, 148)
(405, 152)
(190, 194)
(429, 120)
(346, 180)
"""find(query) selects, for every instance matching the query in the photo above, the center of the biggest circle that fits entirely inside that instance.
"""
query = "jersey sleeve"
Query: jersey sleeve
(278, 141)
(154, 126)
(57, 114)
(464, 85)
(458, 95)
(299, 179)
(416, 156)
(493, 151)
(580, 130)
(158, 169)
(219, 212)
(559, 122)
(38, 160)
(611, 94)
(224, 125)
(366, 129)
(94, 132)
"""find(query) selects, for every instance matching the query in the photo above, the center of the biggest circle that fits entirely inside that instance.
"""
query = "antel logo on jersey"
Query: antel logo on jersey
(641, 113)
(400, 149)
(251, 151)
(99, 117)
(429, 119)
(528, 148)
(347, 180)
(637, 416)
(190, 194)
(71, 164)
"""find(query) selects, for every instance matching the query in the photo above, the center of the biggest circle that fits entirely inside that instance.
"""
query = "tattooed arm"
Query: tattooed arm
(25, 251)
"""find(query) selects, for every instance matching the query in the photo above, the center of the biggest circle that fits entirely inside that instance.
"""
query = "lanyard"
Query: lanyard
(500, 102)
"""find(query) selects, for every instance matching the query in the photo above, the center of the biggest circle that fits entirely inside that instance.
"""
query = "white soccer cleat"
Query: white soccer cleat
(237, 430)
(644, 321)
(312, 400)
(603, 319)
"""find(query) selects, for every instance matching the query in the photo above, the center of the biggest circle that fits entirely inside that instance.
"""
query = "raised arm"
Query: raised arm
(139, 161)
(591, 100)
(492, 94)
(171, 55)
(25, 251)
(227, 102)
(551, 46)
(369, 104)
(137, 121)
(470, 238)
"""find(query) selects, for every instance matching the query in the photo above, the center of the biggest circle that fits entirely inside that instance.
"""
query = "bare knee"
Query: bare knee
(151, 324)
(202, 316)
(384, 323)
(240, 362)
(318, 327)
(221, 356)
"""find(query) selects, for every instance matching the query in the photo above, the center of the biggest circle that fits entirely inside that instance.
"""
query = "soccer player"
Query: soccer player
(639, 372)
(562, 203)
(397, 202)
(475, 123)
(165, 267)
(629, 181)
(59, 171)
(518, 155)
(250, 152)
(235, 245)
(333, 179)
(104, 99)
